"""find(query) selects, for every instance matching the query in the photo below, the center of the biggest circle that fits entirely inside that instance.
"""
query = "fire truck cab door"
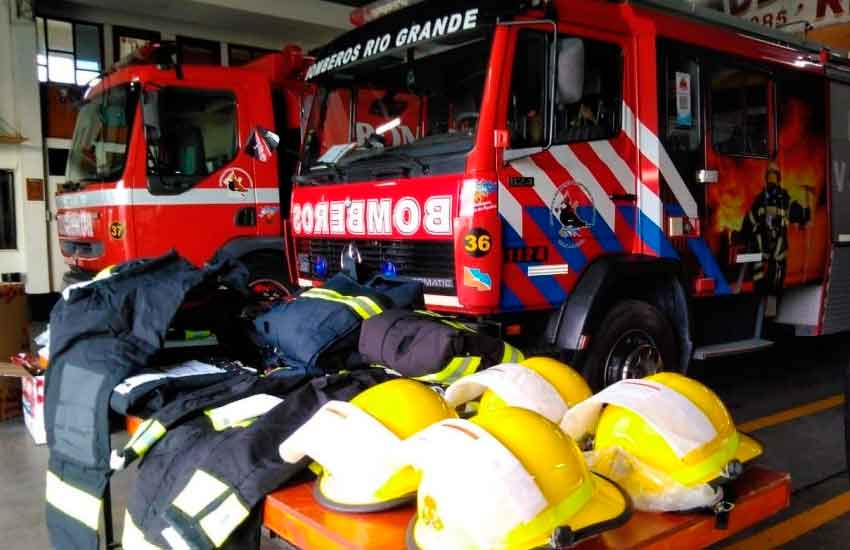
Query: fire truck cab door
(567, 189)
(200, 185)
(743, 216)
(683, 135)
(682, 128)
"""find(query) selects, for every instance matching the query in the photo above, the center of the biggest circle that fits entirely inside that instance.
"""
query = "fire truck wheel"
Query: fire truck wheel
(633, 340)
(268, 277)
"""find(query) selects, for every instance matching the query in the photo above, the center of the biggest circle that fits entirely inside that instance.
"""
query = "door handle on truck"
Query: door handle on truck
(707, 176)
(246, 217)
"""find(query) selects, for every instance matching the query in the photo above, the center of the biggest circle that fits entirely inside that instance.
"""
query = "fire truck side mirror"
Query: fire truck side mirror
(262, 143)
(501, 142)
(570, 70)
(501, 139)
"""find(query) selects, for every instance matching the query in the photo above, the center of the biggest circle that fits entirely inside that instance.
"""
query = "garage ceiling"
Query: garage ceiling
(309, 22)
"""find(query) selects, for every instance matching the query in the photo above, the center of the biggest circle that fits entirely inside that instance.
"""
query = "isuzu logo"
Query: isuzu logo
(406, 216)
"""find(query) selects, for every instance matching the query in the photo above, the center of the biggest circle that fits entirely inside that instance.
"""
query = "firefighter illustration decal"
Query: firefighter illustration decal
(765, 230)
(236, 180)
(572, 214)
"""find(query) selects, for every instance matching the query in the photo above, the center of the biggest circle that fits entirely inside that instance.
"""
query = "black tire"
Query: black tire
(633, 340)
(268, 274)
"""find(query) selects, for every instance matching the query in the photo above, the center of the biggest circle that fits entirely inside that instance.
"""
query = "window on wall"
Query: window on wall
(740, 112)
(194, 51)
(68, 52)
(126, 41)
(8, 237)
(240, 55)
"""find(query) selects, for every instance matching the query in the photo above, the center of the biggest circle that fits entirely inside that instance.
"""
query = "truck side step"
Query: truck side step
(731, 348)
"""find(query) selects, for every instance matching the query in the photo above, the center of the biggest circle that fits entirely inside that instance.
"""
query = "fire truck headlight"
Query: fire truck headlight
(304, 263)
(320, 266)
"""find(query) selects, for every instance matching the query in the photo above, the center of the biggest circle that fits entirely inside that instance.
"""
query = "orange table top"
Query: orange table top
(132, 423)
(294, 515)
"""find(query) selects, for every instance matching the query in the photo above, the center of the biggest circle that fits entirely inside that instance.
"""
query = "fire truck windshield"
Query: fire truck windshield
(402, 107)
(99, 147)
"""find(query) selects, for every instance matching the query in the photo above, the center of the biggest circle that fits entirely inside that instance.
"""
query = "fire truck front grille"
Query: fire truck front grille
(426, 261)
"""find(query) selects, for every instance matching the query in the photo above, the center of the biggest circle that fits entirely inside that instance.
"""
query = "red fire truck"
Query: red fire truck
(634, 184)
(168, 156)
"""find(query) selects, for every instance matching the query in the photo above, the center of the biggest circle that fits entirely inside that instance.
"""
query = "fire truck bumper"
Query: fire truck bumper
(76, 275)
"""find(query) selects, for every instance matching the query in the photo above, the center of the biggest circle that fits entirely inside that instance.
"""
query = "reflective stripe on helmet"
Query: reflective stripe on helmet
(73, 502)
(146, 435)
(712, 465)
(454, 371)
(133, 538)
(364, 306)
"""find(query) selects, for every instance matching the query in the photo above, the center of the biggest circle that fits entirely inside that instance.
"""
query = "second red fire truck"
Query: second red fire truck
(634, 184)
(189, 157)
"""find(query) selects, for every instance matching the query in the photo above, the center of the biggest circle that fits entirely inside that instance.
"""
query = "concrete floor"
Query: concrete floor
(795, 373)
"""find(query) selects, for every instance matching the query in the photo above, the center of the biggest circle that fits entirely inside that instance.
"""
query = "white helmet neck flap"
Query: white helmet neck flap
(676, 418)
(357, 453)
(516, 385)
(474, 491)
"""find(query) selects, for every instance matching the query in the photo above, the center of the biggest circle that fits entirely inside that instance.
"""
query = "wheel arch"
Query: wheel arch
(244, 246)
(610, 280)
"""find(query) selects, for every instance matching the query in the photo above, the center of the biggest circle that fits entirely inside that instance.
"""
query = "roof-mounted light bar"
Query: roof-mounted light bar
(161, 53)
(379, 9)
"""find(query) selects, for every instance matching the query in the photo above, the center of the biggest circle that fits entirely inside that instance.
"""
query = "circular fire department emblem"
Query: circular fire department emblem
(236, 180)
(116, 230)
(572, 214)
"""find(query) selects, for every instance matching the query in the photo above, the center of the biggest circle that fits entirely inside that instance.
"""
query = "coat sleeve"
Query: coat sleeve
(236, 476)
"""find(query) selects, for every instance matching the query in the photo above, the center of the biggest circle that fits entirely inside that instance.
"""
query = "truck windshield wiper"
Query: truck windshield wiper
(424, 168)
(394, 153)
(100, 178)
(315, 173)
(71, 186)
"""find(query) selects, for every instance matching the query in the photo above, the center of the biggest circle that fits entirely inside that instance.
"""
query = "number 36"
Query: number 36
(477, 243)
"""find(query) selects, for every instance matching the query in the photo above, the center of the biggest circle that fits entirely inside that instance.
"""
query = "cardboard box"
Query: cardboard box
(10, 398)
(33, 406)
(32, 399)
(14, 320)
